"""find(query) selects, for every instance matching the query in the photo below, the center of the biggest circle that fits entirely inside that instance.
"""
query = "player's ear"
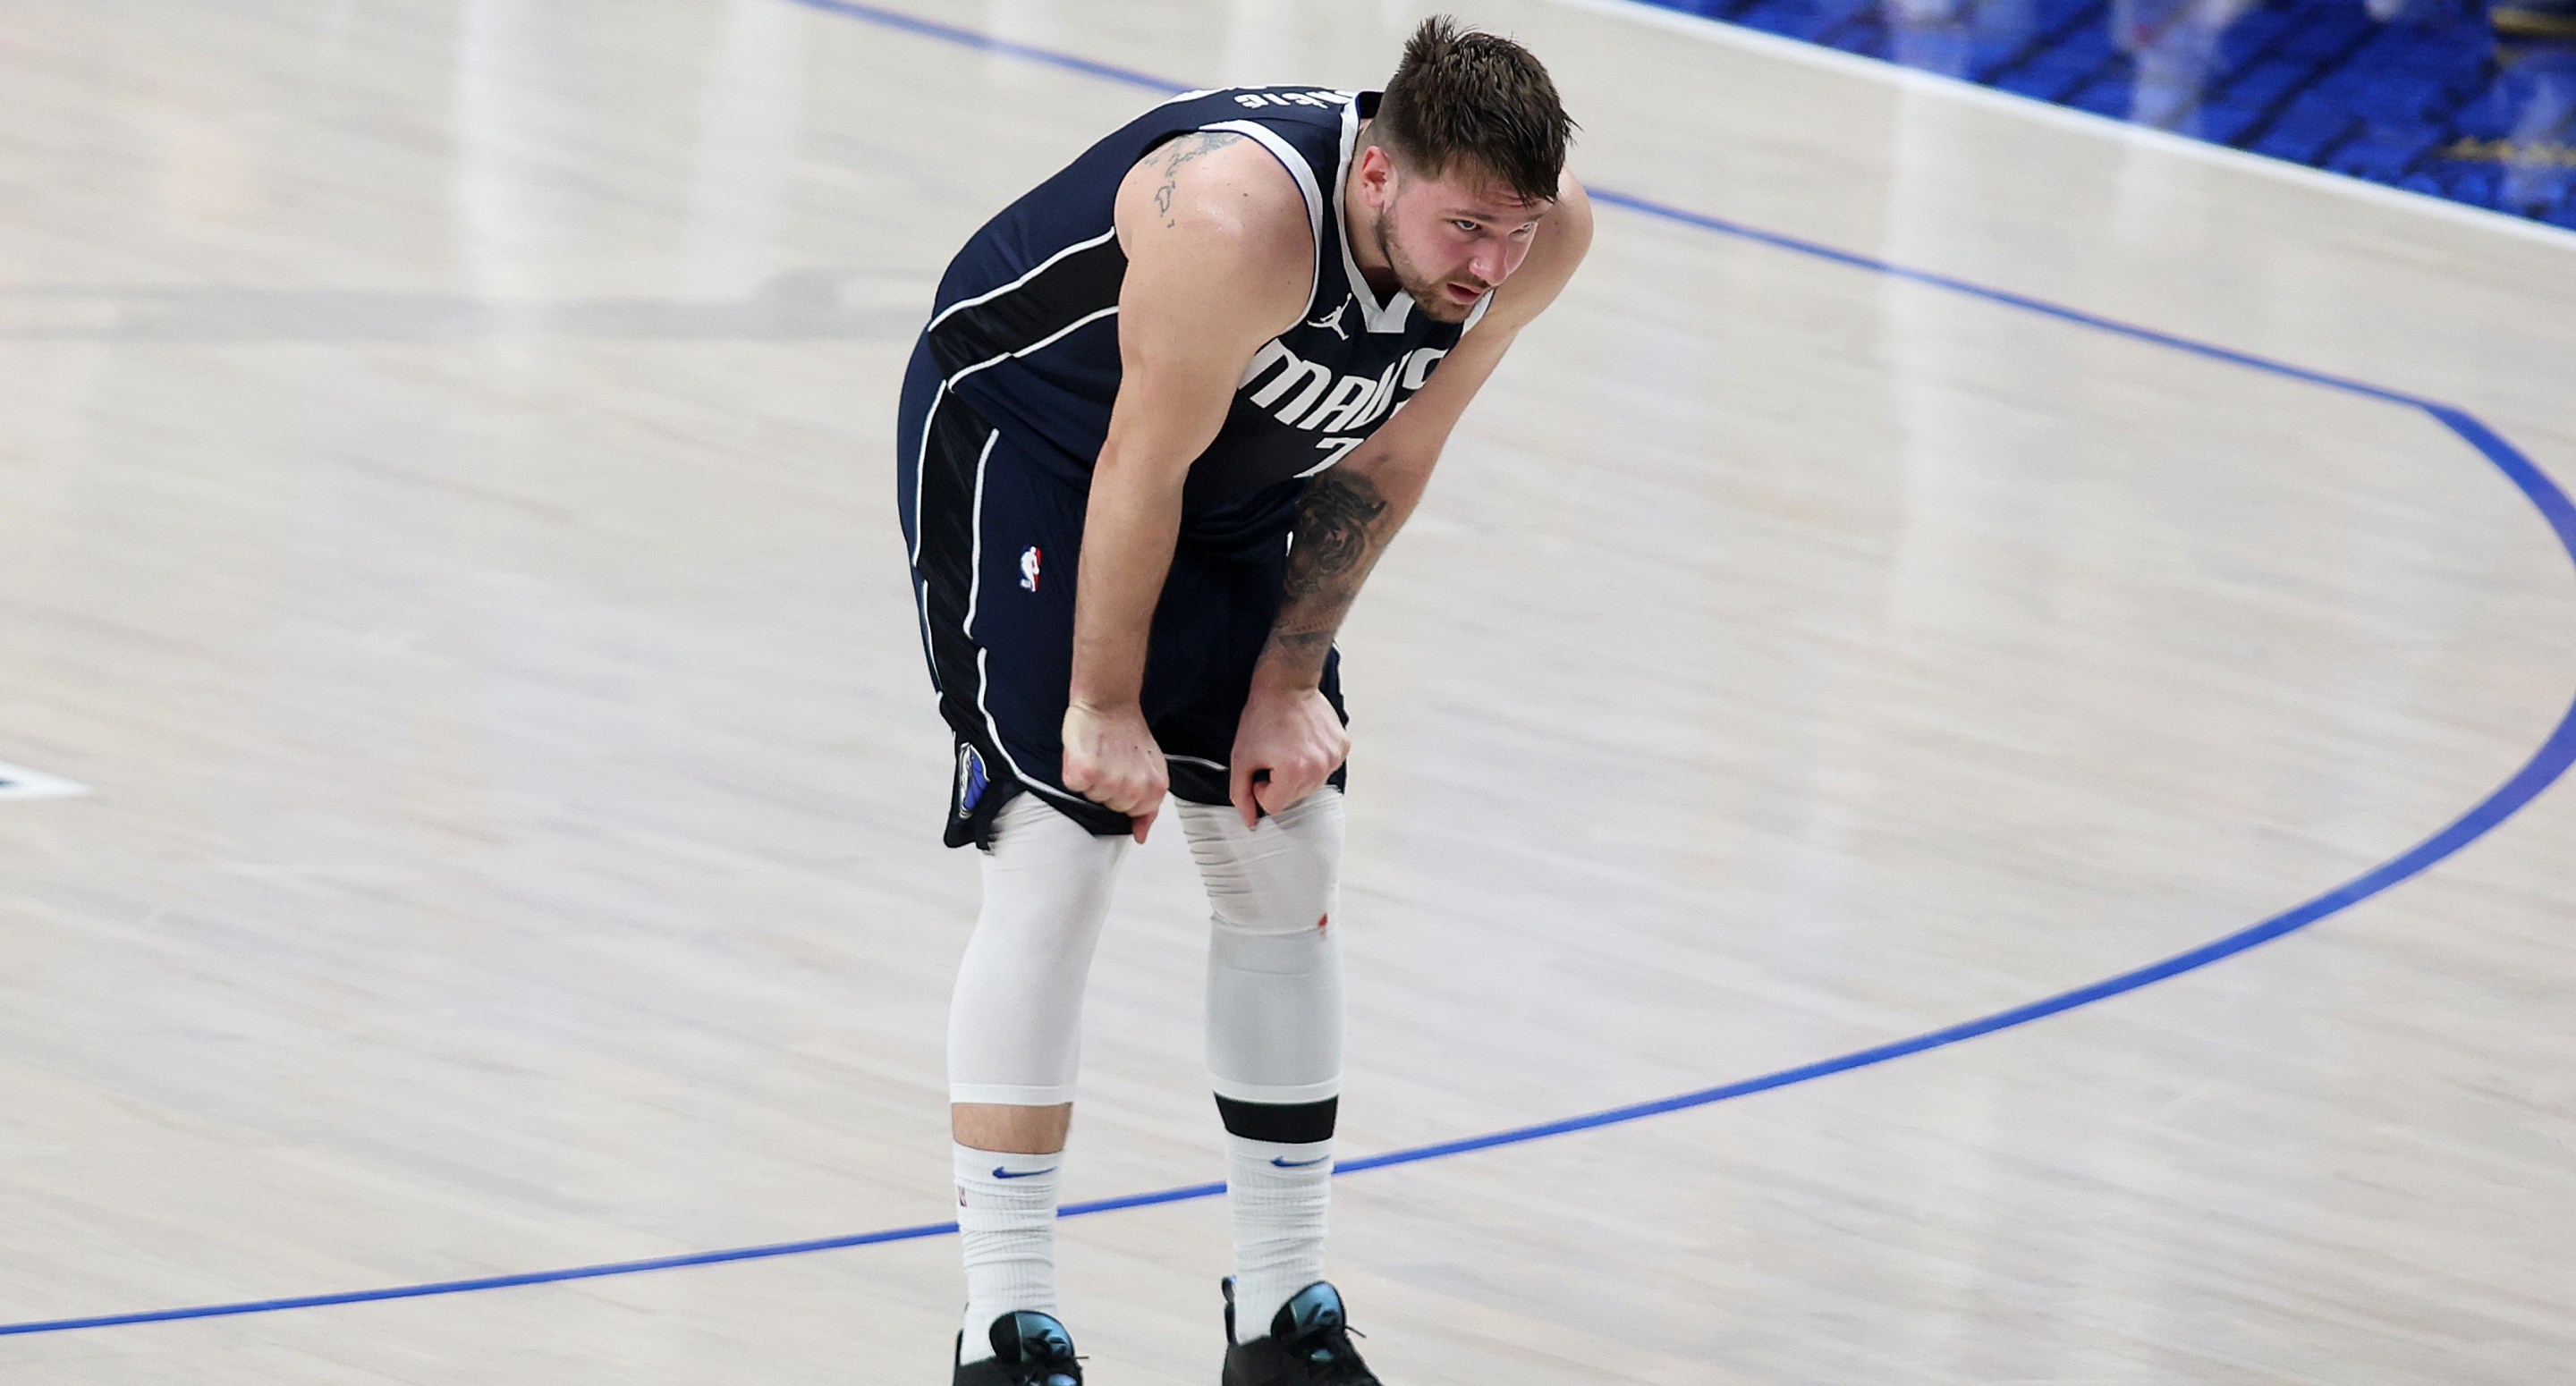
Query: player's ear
(1377, 174)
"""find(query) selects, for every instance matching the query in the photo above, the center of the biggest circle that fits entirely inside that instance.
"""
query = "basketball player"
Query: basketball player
(1172, 406)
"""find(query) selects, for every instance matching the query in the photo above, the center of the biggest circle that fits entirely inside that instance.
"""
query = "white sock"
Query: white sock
(1280, 1194)
(1006, 1223)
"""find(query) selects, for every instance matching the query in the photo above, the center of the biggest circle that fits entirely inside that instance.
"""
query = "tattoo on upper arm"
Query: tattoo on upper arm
(1179, 151)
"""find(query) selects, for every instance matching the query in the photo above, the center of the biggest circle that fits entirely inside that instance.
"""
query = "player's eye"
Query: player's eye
(1469, 227)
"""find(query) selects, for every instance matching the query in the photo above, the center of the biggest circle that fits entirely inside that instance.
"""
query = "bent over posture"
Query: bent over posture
(1172, 405)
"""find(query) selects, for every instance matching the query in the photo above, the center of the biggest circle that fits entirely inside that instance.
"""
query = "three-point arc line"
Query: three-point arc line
(2543, 768)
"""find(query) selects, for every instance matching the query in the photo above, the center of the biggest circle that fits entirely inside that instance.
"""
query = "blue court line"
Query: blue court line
(968, 38)
(2543, 769)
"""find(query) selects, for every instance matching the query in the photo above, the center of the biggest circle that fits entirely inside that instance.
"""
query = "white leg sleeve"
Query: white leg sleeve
(1274, 1005)
(1015, 1021)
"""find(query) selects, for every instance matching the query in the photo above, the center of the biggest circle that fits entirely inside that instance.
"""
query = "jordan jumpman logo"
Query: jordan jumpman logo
(1333, 320)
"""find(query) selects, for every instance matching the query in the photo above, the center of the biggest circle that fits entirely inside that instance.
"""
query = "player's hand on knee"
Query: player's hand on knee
(1111, 759)
(1289, 742)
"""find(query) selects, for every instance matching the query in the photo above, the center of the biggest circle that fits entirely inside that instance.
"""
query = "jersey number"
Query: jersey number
(1336, 449)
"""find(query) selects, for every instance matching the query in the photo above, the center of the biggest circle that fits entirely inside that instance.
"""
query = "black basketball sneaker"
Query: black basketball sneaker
(1029, 1349)
(1309, 1342)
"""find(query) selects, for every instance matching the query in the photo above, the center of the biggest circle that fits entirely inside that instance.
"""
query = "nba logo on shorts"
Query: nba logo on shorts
(971, 780)
(1029, 569)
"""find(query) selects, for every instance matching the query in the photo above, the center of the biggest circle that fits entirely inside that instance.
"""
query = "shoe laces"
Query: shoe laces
(1329, 1357)
(1048, 1373)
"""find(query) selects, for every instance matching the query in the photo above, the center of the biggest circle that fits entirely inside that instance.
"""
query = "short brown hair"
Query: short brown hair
(1463, 96)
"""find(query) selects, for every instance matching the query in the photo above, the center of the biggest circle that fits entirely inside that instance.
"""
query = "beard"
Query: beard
(1425, 291)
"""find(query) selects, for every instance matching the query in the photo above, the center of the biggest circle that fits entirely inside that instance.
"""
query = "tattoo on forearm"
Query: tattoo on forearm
(1341, 528)
(1181, 151)
(1333, 533)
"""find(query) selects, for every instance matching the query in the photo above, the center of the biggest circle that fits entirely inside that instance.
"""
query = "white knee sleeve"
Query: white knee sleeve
(1015, 1021)
(1275, 960)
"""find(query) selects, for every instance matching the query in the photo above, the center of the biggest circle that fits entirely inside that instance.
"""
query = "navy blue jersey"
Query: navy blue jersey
(1026, 327)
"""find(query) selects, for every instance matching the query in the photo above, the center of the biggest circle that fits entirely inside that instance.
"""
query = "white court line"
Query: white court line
(20, 783)
(1960, 89)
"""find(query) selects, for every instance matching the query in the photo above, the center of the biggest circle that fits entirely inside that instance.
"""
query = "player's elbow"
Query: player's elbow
(1396, 471)
(1153, 456)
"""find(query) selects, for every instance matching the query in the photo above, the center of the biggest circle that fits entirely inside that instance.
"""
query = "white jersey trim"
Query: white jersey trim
(974, 592)
(920, 475)
(975, 552)
(1379, 317)
(1033, 348)
(990, 294)
(992, 728)
(1304, 173)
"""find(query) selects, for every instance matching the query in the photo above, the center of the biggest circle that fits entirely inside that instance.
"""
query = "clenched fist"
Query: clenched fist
(1111, 759)
(1288, 743)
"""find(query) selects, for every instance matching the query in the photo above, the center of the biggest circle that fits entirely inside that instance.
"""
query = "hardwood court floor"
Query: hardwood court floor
(445, 513)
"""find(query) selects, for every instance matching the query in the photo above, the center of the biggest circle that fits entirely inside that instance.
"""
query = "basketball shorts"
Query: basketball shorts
(994, 530)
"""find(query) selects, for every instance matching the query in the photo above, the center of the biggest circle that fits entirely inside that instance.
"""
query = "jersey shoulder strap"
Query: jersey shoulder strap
(1303, 128)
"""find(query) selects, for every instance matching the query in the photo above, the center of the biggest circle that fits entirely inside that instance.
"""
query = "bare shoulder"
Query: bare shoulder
(1212, 216)
(1214, 184)
(1572, 221)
